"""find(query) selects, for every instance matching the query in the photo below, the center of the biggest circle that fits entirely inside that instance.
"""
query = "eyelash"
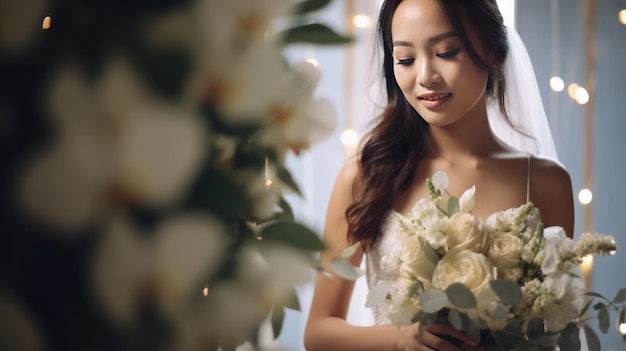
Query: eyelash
(444, 55)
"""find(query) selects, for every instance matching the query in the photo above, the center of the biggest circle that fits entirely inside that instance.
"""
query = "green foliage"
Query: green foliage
(430, 253)
(432, 301)
(314, 33)
(307, 6)
(508, 292)
(460, 296)
(292, 234)
(453, 205)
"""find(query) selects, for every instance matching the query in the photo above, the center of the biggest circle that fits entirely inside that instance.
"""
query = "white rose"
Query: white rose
(414, 261)
(467, 267)
(465, 233)
(504, 250)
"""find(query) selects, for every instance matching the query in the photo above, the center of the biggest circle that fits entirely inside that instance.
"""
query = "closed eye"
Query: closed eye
(407, 61)
(448, 54)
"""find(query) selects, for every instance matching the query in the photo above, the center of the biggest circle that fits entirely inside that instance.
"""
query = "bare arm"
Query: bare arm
(552, 193)
(327, 329)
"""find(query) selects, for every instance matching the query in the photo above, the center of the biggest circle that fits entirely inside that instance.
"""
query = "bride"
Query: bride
(458, 102)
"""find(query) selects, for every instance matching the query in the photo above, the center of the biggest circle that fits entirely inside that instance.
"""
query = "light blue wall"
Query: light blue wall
(567, 121)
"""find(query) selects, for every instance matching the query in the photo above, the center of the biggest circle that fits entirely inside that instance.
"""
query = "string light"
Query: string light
(571, 90)
(361, 21)
(557, 84)
(205, 291)
(349, 137)
(581, 95)
(622, 328)
(585, 196)
(45, 25)
(622, 16)
(587, 263)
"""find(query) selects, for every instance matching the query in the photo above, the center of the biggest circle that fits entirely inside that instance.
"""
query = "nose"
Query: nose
(427, 74)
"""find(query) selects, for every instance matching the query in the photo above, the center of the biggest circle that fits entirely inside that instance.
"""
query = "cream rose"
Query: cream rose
(414, 261)
(504, 250)
(467, 267)
(465, 233)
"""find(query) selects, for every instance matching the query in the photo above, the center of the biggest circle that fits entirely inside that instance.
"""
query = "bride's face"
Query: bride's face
(432, 68)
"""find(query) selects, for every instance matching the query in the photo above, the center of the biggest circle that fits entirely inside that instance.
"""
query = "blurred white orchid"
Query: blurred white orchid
(113, 139)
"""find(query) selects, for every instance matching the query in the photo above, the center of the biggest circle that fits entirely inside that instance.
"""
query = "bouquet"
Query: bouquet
(506, 280)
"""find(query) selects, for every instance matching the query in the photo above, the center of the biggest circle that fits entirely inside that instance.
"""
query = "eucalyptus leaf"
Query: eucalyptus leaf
(293, 234)
(278, 316)
(523, 345)
(535, 328)
(598, 306)
(418, 316)
(460, 296)
(593, 343)
(455, 319)
(547, 340)
(620, 296)
(501, 312)
(285, 177)
(377, 295)
(284, 205)
(314, 33)
(474, 331)
(345, 269)
(430, 253)
(514, 326)
(604, 319)
(453, 205)
(595, 294)
(310, 6)
(292, 301)
(432, 300)
(570, 338)
(508, 292)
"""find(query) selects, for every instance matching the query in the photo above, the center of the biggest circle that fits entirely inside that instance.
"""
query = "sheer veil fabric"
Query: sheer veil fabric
(530, 130)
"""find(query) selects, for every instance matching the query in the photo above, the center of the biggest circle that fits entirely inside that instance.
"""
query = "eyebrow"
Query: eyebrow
(432, 40)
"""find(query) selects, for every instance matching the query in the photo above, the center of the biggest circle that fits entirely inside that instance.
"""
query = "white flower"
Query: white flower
(186, 248)
(465, 233)
(414, 261)
(467, 267)
(466, 202)
(554, 238)
(569, 300)
(300, 119)
(121, 270)
(113, 138)
(504, 250)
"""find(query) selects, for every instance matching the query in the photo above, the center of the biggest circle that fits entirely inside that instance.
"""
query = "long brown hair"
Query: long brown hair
(396, 145)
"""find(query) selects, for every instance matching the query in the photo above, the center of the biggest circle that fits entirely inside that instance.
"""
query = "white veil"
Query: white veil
(523, 104)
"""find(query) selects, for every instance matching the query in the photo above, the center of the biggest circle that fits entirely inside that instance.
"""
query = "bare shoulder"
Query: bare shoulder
(551, 192)
(342, 196)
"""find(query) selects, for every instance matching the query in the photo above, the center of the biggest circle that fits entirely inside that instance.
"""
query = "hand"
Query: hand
(439, 337)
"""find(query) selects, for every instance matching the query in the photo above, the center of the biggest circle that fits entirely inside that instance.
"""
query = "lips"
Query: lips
(434, 100)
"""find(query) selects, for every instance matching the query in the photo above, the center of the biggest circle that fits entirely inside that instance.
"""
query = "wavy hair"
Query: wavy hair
(396, 145)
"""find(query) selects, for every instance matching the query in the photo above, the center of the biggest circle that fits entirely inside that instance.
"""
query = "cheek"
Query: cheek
(404, 79)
